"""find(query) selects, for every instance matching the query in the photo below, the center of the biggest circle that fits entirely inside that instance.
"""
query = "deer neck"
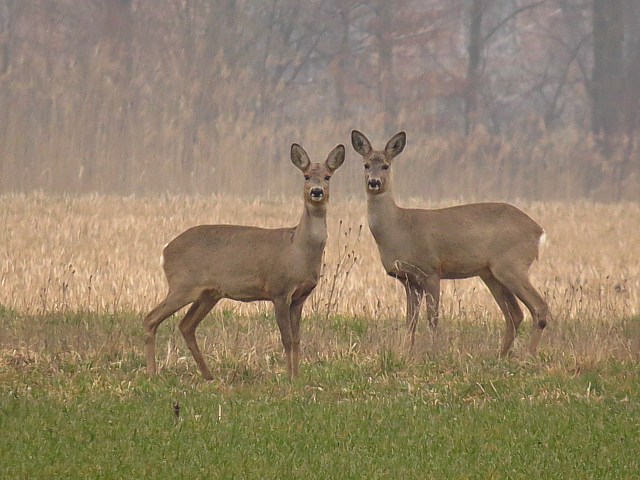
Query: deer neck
(311, 232)
(383, 214)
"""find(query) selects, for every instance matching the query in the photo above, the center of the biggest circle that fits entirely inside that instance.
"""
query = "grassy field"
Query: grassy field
(78, 405)
(78, 274)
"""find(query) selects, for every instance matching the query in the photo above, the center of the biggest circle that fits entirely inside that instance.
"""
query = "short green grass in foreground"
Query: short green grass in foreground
(95, 414)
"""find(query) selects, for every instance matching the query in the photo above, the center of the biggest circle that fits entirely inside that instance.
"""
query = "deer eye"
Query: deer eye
(307, 177)
(327, 178)
(367, 166)
(385, 167)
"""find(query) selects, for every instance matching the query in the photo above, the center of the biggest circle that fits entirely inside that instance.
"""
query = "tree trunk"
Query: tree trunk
(475, 51)
(607, 80)
(385, 57)
(118, 36)
(341, 65)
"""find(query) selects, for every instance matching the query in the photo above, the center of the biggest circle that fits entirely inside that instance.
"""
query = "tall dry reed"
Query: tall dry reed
(101, 253)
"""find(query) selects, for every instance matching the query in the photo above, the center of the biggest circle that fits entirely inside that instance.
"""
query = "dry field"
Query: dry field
(100, 254)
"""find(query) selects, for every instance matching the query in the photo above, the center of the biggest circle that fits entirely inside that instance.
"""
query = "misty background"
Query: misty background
(501, 99)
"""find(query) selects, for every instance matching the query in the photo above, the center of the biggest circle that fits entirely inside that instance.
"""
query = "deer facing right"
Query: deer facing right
(420, 247)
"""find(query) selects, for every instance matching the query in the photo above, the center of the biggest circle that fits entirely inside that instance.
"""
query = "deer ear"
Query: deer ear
(360, 143)
(299, 157)
(396, 144)
(335, 158)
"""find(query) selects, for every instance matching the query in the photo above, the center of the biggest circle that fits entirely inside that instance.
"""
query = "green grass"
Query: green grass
(91, 412)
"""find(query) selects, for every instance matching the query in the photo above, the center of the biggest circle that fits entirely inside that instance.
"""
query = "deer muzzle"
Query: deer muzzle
(316, 194)
(374, 184)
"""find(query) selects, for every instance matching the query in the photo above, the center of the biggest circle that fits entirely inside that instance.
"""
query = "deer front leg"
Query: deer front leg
(283, 317)
(295, 313)
(432, 290)
(415, 294)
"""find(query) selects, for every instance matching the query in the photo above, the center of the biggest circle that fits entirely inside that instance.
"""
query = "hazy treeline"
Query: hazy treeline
(500, 98)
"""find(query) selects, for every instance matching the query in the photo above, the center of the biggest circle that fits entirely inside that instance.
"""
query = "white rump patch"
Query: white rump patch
(541, 242)
(162, 255)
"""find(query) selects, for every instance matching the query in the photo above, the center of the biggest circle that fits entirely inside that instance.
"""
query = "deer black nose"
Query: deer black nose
(316, 193)
(375, 184)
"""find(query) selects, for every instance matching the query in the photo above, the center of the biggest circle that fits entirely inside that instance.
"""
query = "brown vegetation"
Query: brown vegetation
(101, 254)
(155, 97)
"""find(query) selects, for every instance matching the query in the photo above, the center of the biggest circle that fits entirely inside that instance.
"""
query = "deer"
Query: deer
(207, 263)
(420, 247)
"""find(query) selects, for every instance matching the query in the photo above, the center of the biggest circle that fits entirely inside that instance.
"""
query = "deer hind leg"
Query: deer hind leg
(190, 322)
(512, 312)
(518, 283)
(415, 294)
(170, 305)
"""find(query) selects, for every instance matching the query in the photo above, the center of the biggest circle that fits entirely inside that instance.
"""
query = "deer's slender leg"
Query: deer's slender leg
(283, 318)
(170, 305)
(295, 314)
(188, 326)
(432, 290)
(512, 312)
(415, 294)
(518, 283)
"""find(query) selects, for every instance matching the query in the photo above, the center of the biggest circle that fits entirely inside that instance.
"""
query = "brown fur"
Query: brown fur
(419, 247)
(209, 262)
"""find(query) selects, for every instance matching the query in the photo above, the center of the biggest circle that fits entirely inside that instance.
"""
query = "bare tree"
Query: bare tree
(384, 44)
(117, 41)
(608, 72)
(478, 39)
(474, 49)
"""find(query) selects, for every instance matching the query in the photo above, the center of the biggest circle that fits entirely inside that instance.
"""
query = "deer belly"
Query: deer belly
(240, 286)
(454, 270)
(416, 269)
(406, 269)
(302, 291)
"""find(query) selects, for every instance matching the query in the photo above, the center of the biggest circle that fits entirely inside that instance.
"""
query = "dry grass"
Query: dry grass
(100, 254)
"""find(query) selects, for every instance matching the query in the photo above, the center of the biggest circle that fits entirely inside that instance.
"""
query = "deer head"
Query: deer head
(316, 175)
(377, 163)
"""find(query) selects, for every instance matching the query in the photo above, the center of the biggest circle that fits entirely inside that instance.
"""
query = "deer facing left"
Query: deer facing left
(207, 263)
